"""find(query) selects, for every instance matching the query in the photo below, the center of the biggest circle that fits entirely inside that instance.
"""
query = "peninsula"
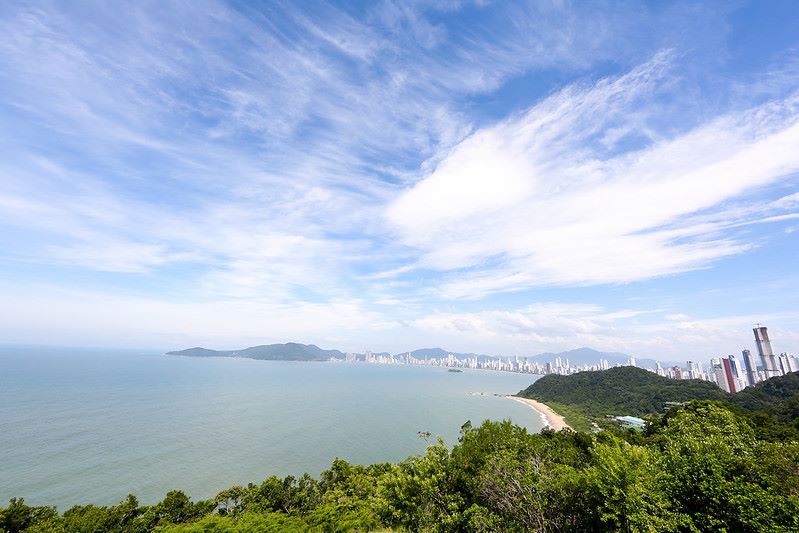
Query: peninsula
(290, 351)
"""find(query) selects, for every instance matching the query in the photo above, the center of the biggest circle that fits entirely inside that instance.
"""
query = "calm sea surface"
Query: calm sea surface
(88, 425)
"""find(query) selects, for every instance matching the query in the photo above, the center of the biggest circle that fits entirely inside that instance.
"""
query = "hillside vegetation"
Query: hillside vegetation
(772, 406)
(623, 390)
(700, 468)
(704, 466)
(769, 393)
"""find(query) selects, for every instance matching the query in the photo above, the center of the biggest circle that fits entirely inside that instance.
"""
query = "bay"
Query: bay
(91, 426)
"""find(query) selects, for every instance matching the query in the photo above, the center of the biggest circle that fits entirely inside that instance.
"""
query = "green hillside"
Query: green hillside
(772, 406)
(769, 393)
(704, 466)
(700, 468)
(621, 390)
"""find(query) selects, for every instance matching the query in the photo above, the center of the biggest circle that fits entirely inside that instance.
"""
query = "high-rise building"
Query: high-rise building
(793, 364)
(785, 363)
(765, 351)
(737, 371)
(632, 361)
(729, 374)
(751, 368)
(719, 374)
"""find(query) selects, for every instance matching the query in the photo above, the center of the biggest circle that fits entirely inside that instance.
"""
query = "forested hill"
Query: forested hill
(290, 351)
(769, 393)
(623, 390)
(633, 391)
(701, 468)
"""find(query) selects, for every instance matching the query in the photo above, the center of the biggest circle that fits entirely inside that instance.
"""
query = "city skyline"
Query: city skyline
(492, 178)
(726, 372)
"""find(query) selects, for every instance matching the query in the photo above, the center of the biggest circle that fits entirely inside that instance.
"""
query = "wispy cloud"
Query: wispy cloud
(287, 130)
(558, 196)
(382, 160)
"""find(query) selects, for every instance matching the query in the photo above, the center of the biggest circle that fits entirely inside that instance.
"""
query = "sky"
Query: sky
(492, 177)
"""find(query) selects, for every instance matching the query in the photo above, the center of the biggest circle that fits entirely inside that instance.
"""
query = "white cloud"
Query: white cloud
(558, 327)
(535, 200)
(78, 316)
(249, 161)
(255, 157)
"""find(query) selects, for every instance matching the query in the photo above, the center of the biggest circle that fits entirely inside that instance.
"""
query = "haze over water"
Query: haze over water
(91, 426)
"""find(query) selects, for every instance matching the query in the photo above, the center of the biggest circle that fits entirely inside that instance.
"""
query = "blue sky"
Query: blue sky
(501, 177)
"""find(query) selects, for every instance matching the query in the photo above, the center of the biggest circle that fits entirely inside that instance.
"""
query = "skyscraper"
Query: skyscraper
(765, 351)
(718, 372)
(785, 363)
(729, 374)
(751, 367)
(792, 362)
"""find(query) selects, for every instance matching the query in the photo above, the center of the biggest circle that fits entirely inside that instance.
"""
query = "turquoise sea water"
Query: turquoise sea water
(89, 425)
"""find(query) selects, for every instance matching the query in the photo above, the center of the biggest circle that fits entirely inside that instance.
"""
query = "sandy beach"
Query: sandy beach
(554, 420)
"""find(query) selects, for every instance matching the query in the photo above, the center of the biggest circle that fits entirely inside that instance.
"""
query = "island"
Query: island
(290, 351)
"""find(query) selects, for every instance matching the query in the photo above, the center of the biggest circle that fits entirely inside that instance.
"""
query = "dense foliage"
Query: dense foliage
(701, 467)
(624, 390)
(765, 395)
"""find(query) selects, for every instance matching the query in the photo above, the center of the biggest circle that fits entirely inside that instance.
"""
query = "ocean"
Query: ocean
(91, 426)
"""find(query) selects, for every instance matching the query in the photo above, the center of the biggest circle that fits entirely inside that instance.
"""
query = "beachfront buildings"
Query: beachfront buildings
(728, 372)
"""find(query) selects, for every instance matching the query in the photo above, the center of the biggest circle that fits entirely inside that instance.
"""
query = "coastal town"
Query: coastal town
(731, 373)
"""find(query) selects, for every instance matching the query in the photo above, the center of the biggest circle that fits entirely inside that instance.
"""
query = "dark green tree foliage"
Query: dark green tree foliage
(787, 411)
(718, 473)
(768, 393)
(19, 517)
(623, 390)
(701, 467)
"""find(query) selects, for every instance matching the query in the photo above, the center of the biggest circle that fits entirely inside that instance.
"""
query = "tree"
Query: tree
(708, 460)
(18, 516)
(230, 501)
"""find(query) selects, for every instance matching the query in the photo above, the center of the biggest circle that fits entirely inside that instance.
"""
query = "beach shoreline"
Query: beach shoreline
(550, 417)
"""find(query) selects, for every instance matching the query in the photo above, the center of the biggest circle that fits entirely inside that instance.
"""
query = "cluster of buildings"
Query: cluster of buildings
(733, 374)
(503, 364)
(729, 373)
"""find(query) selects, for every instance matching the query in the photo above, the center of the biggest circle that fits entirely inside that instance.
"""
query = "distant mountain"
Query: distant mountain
(199, 352)
(290, 351)
(293, 351)
(589, 356)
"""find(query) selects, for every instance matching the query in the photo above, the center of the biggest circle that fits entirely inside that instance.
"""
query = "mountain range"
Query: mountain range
(293, 351)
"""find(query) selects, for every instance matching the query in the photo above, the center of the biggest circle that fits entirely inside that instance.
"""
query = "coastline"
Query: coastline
(551, 418)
